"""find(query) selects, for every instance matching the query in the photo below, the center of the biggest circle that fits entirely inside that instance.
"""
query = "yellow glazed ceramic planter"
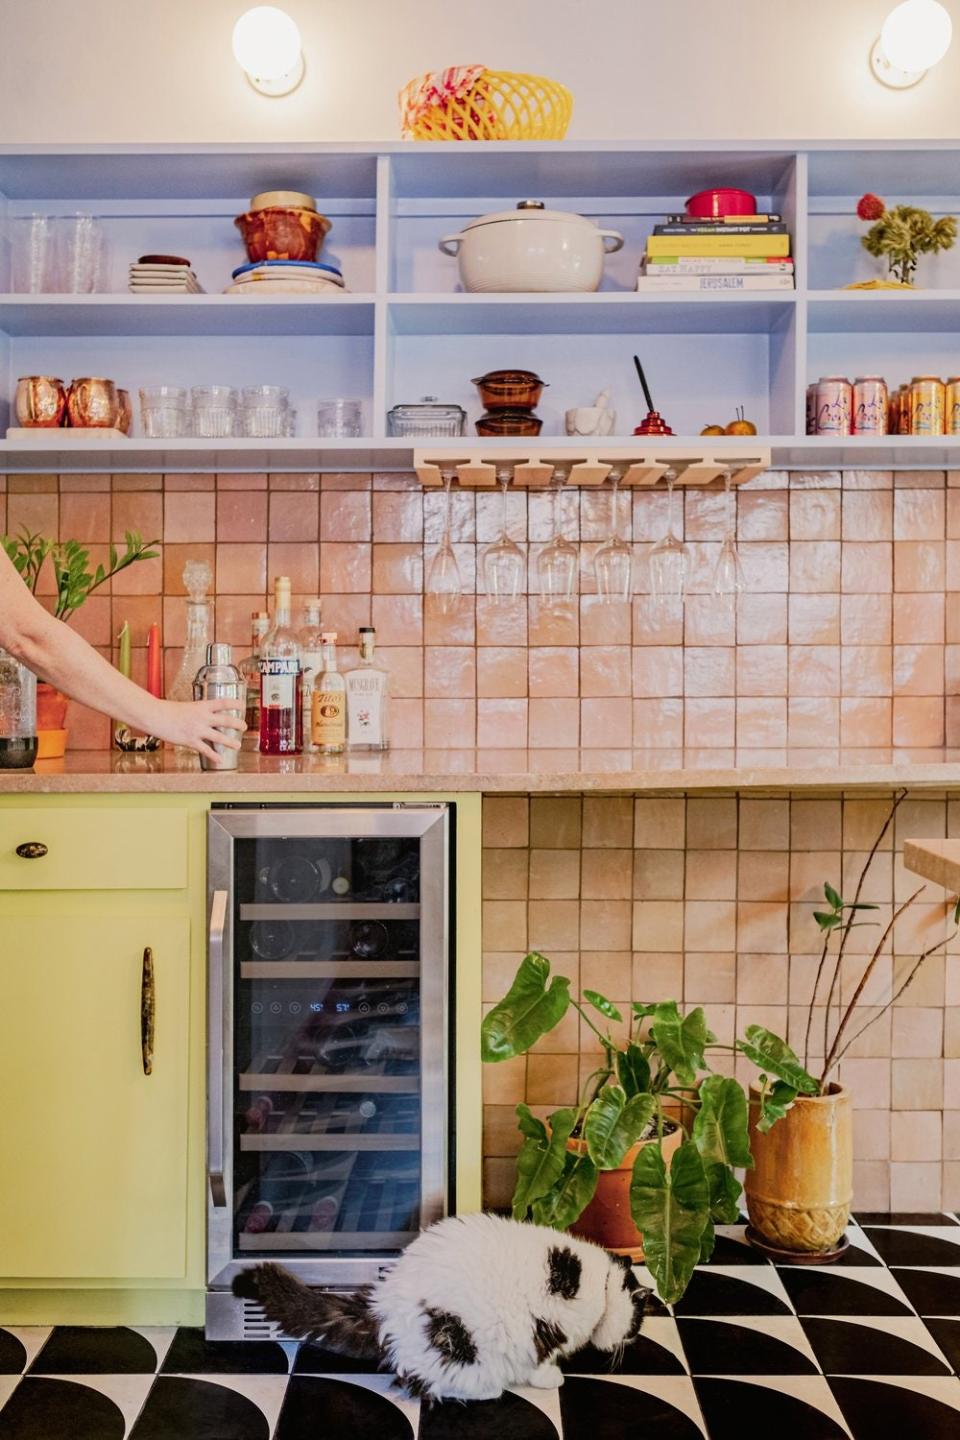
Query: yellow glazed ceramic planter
(801, 1186)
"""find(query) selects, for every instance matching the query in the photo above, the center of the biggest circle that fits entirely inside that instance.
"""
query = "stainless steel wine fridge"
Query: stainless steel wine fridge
(328, 1140)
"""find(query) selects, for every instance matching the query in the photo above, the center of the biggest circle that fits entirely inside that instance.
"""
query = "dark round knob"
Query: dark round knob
(32, 850)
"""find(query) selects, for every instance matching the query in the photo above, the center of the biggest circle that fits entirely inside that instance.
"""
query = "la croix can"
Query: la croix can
(927, 398)
(952, 410)
(870, 405)
(834, 405)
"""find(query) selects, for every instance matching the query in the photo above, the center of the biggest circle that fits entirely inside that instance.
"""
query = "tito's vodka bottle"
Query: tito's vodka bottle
(368, 691)
(280, 681)
(329, 719)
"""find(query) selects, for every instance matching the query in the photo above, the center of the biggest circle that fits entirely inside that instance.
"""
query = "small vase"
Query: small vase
(607, 1220)
(51, 722)
(801, 1186)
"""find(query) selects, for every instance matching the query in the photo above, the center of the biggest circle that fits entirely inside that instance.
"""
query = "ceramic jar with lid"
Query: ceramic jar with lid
(531, 249)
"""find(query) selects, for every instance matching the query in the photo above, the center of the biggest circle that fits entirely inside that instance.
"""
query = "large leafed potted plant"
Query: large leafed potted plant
(75, 582)
(644, 1162)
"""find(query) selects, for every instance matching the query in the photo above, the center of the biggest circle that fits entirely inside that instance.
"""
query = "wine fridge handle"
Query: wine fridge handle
(215, 1095)
(148, 1010)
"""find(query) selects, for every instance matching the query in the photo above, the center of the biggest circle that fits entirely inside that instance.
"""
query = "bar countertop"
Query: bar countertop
(495, 772)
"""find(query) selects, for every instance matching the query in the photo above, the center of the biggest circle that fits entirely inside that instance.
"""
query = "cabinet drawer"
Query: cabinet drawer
(95, 849)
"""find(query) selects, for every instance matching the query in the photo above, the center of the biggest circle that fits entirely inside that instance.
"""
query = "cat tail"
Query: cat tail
(343, 1323)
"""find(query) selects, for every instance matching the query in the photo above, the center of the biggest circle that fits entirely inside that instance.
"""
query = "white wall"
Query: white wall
(131, 70)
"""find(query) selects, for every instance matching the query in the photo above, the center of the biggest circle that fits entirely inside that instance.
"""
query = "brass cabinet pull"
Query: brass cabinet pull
(148, 1011)
(32, 850)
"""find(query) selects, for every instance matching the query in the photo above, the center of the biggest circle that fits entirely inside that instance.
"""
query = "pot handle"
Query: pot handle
(453, 240)
(612, 235)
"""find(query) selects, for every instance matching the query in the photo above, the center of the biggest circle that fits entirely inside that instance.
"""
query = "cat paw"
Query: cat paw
(547, 1377)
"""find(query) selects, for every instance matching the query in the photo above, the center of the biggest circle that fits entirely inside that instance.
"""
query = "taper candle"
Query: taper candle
(123, 649)
(154, 662)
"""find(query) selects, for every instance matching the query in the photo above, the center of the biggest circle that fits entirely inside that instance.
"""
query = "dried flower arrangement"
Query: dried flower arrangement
(903, 233)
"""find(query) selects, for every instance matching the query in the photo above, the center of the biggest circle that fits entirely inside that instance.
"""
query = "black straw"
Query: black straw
(643, 382)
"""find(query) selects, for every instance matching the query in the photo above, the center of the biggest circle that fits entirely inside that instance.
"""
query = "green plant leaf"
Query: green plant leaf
(680, 1039)
(720, 1134)
(769, 1052)
(827, 919)
(833, 898)
(613, 1123)
(541, 1160)
(571, 1194)
(601, 1003)
(528, 1010)
(528, 1124)
(775, 1101)
(642, 1011)
(956, 912)
(707, 1241)
(633, 1070)
(672, 1210)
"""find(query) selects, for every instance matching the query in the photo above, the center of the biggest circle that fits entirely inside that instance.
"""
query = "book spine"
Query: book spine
(711, 229)
(685, 219)
(715, 282)
(737, 246)
(718, 265)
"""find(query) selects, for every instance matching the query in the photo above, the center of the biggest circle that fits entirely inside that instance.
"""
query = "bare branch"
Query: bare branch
(813, 998)
(898, 799)
(894, 998)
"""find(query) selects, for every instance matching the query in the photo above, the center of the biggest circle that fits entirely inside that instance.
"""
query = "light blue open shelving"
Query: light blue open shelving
(406, 330)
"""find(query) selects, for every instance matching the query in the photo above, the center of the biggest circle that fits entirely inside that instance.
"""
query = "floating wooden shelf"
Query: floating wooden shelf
(642, 463)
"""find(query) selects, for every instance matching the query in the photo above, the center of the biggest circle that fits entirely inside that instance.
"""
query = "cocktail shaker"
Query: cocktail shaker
(219, 679)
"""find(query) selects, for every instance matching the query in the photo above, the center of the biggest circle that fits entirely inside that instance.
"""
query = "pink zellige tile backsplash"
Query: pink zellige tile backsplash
(849, 630)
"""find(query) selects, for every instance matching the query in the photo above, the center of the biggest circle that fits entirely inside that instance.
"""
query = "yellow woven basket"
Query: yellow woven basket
(500, 105)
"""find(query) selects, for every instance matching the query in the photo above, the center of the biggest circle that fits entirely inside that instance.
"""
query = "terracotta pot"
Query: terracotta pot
(801, 1186)
(607, 1219)
(51, 722)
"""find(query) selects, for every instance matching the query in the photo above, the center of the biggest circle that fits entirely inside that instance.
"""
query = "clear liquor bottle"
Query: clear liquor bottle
(368, 697)
(197, 579)
(329, 711)
(281, 681)
(250, 672)
(311, 658)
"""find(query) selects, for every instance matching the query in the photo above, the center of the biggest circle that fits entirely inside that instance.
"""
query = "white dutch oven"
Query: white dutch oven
(531, 249)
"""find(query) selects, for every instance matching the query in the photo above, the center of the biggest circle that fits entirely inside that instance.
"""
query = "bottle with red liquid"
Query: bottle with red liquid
(281, 681)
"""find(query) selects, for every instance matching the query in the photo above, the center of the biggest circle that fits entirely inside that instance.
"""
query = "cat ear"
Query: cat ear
(623, 1260)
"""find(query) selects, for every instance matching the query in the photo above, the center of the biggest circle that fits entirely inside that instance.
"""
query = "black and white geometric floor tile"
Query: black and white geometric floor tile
(865, 1350)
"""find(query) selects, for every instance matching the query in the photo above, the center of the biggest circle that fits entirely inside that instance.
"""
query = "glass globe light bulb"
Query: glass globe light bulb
(266, 44)
(916, 35)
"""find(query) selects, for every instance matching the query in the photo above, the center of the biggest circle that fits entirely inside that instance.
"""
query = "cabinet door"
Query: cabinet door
(93, 1152)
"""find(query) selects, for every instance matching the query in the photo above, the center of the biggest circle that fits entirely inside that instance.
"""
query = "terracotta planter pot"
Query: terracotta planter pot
(607, 1219)
(51, 722)
(801, 1186)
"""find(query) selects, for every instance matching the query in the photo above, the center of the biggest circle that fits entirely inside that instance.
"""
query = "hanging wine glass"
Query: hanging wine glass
(443, 580)
(558, 560)
(728, 576)
(669, 558)
(613, 562)
(503, 560)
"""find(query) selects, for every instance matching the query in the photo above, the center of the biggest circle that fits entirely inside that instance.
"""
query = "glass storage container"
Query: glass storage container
(428, 418)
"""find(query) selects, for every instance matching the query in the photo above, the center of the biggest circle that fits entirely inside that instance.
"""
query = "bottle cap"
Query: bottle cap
(367, 630)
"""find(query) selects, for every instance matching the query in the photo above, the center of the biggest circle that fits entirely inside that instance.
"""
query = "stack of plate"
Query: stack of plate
(286, 277)
(163, 275)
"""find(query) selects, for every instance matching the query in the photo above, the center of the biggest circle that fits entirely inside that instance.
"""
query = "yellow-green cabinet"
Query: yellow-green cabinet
(94, 1151)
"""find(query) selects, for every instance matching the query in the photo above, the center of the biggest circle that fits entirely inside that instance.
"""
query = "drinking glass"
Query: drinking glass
(163, 412)
(669, 558)
(264, 410)
(339, 419)
(558, 560)
(613, 562)
(214, 409)
(728, 578)
(503, 560)
(81, 250)
(443, 579)
(33, 255)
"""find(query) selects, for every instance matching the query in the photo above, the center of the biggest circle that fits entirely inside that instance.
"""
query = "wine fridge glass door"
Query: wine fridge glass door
(335, 1039)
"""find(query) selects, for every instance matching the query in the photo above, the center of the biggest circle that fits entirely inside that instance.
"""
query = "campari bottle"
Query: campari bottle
(281, 681)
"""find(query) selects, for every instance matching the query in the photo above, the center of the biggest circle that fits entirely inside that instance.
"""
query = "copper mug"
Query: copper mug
(93, 403)
(41, 401)
(126, 411)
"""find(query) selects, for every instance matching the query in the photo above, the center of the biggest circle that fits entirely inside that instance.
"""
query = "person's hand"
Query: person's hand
(200, 724)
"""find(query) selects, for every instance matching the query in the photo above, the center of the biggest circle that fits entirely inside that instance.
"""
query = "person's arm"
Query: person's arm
(58, 654)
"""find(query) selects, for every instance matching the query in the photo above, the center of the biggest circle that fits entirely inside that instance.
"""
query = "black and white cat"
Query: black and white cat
(476, 1304)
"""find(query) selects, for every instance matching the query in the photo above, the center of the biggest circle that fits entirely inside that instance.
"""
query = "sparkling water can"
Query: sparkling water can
(951, 412)
(927, 395)
(870, 405)
(834, 405)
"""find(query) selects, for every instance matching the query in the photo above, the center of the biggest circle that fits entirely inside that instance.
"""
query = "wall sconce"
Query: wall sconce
(266, 45)
(915, 36)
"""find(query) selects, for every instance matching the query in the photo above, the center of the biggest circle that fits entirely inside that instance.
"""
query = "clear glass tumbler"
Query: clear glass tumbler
(33, 254)
(264, 411)
(163, 412)
(214, 409)
(80, 246)
(339, 419)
